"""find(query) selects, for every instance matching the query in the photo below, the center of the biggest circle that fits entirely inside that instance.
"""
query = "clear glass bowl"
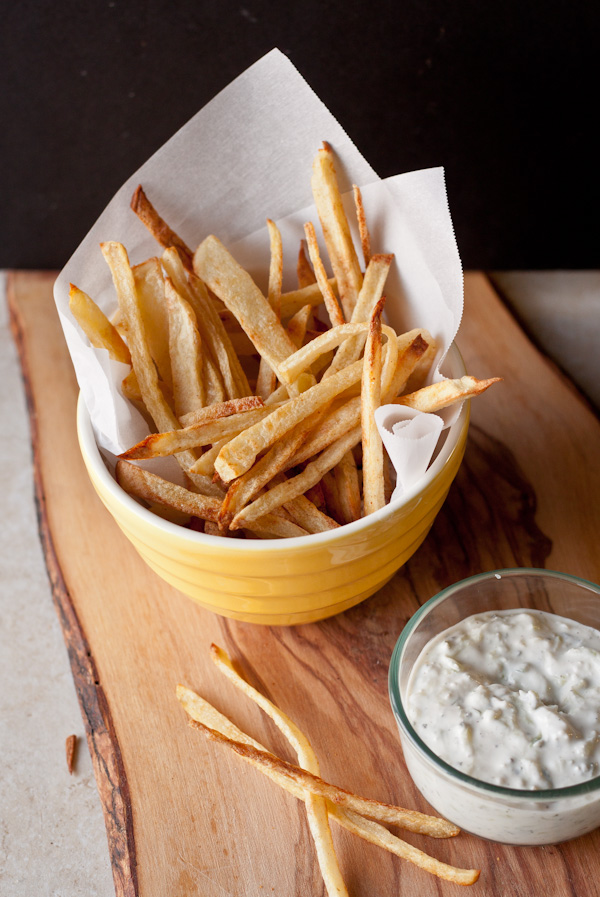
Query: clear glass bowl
(501, 814)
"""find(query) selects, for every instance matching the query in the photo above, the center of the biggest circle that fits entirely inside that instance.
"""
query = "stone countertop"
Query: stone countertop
(52, 829)
(53, 837)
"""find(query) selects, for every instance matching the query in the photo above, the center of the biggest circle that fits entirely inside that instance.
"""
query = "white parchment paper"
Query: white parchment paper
(246, 156)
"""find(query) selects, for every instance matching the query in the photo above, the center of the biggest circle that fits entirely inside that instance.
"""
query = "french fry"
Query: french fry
(147, 377)
(336, 230)
(234, 286)
(306, 514)
(304, 271)
(239, 455)
(304, 782)
(331, 304)
(372, 447)
(377, 834)
(412, 347)
(171, 442)
(370, 293)
(159, 229)
(267, 381)
(293, 300)
(205, 714)
(336, 423)
(224, 374)
(296, 326)
(344, 805)
(152, 488)
(101, 333)
(446, 392)
(150, 288)
(348, 488)
(298, 485)
(243, 490)
(222, 409)
(185, 350)
(316, 806)
(365, 237)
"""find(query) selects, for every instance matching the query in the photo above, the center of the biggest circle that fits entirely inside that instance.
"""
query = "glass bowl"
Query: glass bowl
(500, 814)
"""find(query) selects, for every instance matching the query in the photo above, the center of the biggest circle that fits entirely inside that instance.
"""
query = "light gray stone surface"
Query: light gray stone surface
(52, 836)
(561, 311)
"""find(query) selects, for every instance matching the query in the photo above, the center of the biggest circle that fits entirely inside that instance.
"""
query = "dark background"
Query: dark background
(504, 95)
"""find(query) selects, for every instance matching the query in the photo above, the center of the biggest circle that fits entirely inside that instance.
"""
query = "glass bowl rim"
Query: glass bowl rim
(545, 795)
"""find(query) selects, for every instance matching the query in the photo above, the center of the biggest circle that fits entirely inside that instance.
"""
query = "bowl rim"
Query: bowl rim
(92, 453)
(544, 795)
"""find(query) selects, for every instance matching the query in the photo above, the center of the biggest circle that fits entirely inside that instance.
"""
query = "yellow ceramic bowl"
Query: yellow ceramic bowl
(284, 581)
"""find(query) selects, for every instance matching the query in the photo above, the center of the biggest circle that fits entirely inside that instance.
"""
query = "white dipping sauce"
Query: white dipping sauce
(511, 698)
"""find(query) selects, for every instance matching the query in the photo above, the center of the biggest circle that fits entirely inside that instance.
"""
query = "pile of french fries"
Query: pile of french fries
(268, 410)
(361, 816)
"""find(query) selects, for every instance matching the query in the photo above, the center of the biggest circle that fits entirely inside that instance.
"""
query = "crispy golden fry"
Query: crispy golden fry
(96, 326)
(150, 287)
(159, 229)
(171, 442)
(222, 371)
(222, 409)
(239, 455)
(336, 230)
(152, 488)
(306, 514)
(446, 392)
(303, 358)
(147, 377)
(296, 326)
(234, 286)
(370, 293)
(216, 727)
(281, 771)
(267, 381)
(365, 237)
(243, 490)
(304, 271)
(348, 488)
(293, 300)
(336, 423)
(298, 485)
(305, 783)
(329, 298)
(412, 347)
(185, 350)
(316, 807)
(372, 447)
(204, 713)
(130, 387)
(275, 267)
(205, 465)
(380, 836)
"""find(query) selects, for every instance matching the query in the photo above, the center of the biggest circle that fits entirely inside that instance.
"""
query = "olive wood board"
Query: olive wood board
(183, 816)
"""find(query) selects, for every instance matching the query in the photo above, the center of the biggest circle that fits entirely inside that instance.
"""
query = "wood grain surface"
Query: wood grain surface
(186, 818)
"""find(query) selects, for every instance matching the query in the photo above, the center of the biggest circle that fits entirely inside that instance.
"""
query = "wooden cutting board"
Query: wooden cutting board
(184, 817)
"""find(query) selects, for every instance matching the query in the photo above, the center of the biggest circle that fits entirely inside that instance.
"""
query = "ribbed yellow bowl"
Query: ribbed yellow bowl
(283, 581)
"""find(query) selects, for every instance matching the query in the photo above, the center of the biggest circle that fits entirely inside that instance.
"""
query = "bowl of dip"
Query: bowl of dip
(495, 687)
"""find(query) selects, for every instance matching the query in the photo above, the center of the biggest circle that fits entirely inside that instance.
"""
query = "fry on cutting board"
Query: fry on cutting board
(359, 815)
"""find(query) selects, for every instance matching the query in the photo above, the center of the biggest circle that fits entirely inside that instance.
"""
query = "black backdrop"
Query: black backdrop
(504, 95)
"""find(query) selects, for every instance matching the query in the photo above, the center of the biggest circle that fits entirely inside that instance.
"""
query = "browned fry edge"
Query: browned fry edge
(158, 227)
(101, 737)
(70, 750)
